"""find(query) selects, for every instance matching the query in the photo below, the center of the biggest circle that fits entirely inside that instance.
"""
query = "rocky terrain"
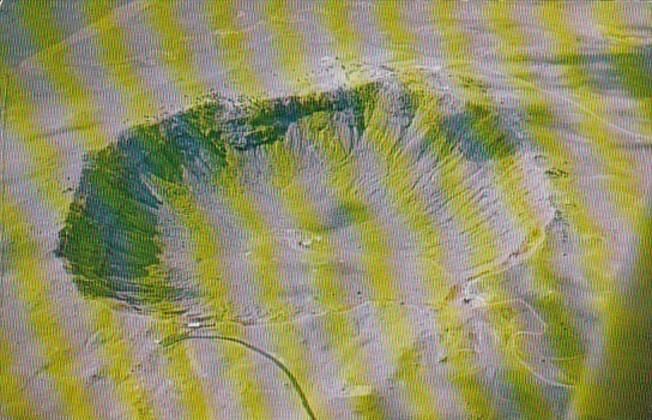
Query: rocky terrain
(325, 210)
